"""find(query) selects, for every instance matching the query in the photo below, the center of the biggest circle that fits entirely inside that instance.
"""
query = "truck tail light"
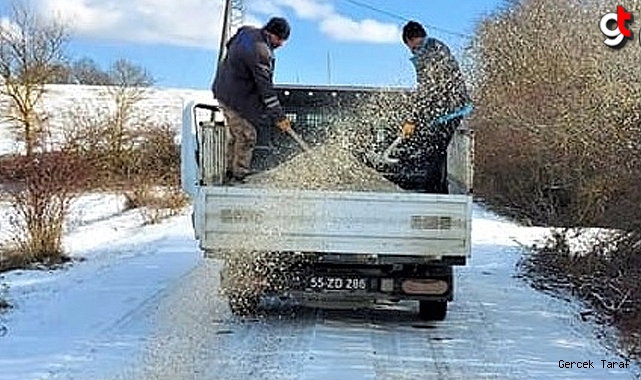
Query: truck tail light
(424, 286)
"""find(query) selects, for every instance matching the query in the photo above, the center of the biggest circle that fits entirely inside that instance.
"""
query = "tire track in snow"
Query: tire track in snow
(341, 347)
(412, 348)
(267, 347)
(473, 313)
(178, 349)
(199, 338)
(395, 336)
(386, 346)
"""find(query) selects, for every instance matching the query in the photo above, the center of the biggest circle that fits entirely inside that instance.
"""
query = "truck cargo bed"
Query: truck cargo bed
(332, 222)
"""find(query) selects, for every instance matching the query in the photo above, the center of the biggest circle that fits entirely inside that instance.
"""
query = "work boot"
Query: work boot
(229, 177)
(237, 179)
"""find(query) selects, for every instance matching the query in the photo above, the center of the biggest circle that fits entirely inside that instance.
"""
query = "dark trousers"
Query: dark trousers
(423, 158)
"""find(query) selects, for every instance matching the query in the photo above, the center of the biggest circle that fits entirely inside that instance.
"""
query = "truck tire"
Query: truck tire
(242, 302)
(432, 310)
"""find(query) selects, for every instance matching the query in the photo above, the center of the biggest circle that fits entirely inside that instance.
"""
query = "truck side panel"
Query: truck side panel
(460, 161)
(406, 224)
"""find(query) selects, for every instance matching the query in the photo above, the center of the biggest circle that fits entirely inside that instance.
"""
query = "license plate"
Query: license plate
(354, 284)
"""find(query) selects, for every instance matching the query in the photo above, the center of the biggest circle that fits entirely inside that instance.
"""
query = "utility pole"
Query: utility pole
(233, 18)
(329, 68)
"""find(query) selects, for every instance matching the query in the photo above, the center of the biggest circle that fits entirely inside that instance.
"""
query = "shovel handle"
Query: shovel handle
(388, 151)
(299, 140)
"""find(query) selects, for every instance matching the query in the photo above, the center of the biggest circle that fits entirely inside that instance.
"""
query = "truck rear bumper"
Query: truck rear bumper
(325, 298)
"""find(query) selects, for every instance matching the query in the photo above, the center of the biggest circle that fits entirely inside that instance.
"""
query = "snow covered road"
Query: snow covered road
(149, 309)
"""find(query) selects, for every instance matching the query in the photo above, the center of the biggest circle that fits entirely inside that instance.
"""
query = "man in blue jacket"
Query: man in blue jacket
(440, 102)
(244, 88)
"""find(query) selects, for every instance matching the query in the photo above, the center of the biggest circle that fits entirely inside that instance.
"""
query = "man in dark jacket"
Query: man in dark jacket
(244, 88)
(440, 102)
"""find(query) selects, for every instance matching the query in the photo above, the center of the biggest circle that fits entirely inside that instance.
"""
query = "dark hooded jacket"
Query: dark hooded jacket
(244, 80)
(440, 89)
(439, 102)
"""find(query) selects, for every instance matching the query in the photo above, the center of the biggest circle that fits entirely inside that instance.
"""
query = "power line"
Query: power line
(381, 11)
(404, 19)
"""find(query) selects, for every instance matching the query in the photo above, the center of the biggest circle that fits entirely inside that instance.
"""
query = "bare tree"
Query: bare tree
(83, 71)
(87, 71)
(31, 50)
(61, 75)
(130, 84)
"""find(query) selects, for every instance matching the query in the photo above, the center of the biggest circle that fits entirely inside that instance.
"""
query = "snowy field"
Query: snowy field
(62, 103)
(145, 305)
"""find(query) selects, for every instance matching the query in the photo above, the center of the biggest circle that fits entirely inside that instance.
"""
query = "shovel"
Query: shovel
(299, 140)
(383, 157)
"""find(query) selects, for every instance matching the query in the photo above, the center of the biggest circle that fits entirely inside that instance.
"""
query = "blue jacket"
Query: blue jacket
(244, 80)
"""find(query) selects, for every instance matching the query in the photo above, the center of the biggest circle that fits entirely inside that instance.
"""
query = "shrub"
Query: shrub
(604, 277)
(557, 116)
(42, 187)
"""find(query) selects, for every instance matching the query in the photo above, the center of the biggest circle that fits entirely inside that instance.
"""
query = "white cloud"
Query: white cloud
(193, 23)
(197, 23)
(310, 9)
(266, 7)
(344, 29)
(331, 23)
(79, 15)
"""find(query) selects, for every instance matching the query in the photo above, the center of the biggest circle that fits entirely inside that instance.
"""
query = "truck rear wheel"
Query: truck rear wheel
(432, 310)
(243, 298)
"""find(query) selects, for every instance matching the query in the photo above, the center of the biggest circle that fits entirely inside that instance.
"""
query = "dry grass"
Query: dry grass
(10, 258)
(154, 187)
(155, 203)
(140, 159)
(557, 121)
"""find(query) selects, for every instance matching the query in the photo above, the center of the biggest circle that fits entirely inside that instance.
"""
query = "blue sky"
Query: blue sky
(177, 40)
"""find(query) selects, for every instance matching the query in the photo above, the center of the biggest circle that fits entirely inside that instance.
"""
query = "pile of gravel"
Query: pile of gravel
(328, 167)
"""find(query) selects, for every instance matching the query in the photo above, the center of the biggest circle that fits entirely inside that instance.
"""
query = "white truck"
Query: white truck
(359, 245)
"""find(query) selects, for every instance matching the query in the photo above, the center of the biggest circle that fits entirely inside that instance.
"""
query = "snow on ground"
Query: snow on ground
(7, 144)
(83, 214)
(67, 318)
(144, 305)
